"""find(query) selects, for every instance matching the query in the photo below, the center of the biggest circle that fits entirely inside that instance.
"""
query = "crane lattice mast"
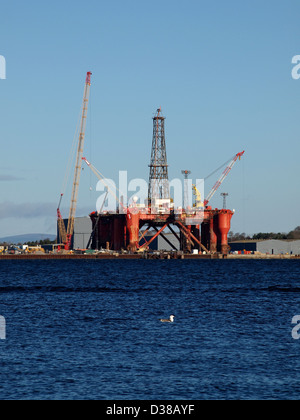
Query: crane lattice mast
(66, 235)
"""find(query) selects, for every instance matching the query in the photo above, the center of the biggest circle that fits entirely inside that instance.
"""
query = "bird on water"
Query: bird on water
(171, 319)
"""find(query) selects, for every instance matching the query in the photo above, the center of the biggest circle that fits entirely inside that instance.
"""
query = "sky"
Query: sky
(221, 71)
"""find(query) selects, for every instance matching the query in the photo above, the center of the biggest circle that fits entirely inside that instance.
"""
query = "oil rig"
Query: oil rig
(132, 228)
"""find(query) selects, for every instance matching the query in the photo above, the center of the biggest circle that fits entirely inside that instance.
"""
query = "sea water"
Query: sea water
(90, 330)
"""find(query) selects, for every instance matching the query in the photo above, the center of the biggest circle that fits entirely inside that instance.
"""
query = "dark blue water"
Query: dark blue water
(90, 330)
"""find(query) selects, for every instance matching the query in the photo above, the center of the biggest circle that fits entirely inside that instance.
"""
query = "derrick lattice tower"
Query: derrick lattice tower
(159, 178)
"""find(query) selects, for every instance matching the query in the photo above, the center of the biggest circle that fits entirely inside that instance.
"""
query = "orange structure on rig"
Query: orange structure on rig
(200, 228)
(125, 231)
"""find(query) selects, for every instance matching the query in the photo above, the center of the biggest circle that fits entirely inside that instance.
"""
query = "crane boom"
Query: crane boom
(96, 172)
(61, 224)
(222, 178)
(66, 234)
(78, 165)
(92, 168)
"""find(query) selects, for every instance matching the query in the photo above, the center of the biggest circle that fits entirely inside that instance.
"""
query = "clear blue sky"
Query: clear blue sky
(220, 70)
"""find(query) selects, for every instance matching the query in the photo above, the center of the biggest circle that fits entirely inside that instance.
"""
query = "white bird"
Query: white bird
(172, 317)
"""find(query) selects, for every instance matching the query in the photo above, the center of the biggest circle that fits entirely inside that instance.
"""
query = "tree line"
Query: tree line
(46, 241)
(293, 235)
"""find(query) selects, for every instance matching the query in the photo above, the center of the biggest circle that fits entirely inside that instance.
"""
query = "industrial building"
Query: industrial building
(272, 247)
(82, 232)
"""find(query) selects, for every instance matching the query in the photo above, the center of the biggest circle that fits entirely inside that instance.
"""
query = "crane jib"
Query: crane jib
(223, 177)
(66, 234)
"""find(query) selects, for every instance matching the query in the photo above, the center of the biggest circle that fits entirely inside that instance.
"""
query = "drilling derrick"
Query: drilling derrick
(159, 179)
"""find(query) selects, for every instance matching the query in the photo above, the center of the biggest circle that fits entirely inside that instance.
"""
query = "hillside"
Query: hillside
(31, 237)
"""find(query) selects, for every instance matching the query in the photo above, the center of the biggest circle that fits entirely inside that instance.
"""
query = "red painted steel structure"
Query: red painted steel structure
(124, 231)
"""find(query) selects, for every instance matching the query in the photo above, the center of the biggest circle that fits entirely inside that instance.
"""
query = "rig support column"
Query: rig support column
(213, 237)
(224, 217)
(133, 227)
